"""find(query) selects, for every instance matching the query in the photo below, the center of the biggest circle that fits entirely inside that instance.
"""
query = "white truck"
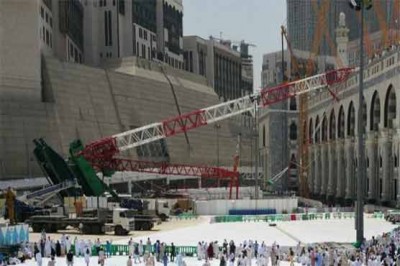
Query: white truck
(122, 222)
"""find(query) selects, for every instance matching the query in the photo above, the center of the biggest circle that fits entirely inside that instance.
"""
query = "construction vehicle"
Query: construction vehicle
(155, 207)
(40, 197)
(122, 222)
(101, 155)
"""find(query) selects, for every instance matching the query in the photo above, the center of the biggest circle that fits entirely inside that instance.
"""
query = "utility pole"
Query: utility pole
(360, 5)
(256, 150)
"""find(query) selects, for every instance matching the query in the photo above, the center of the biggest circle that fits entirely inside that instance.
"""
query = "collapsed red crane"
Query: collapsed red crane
(102, 153)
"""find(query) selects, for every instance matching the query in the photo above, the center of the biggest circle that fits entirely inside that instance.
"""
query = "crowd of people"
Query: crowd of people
(380, 250)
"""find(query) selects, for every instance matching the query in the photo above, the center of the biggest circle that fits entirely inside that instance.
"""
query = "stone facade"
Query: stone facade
(339, 149)
(78, 101)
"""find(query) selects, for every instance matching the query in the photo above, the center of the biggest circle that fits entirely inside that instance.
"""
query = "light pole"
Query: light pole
(217, 127)
(256, 148)
(360, 5)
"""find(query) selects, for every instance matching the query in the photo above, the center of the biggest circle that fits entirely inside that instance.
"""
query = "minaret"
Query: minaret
(342, 40)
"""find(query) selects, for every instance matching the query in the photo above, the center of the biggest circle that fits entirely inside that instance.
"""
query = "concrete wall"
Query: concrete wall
(89, 103)
(19, 49)
(222, 207)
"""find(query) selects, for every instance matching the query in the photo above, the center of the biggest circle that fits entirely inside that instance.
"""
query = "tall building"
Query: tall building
(147, 29)
(144, 29)
(303, 19)
(108, 30)
(247, 79)
(218, 62)
(55, 29)
(278, 123)
(170, 32)
(274, 146)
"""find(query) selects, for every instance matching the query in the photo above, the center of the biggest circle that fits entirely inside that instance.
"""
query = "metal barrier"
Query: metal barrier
(287, 217)
(123, 250)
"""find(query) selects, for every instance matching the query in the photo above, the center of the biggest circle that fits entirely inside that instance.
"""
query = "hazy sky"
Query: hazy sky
(255, 21)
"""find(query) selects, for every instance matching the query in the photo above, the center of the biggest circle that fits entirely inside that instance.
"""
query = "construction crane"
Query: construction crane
(102, 154)
(295, 67)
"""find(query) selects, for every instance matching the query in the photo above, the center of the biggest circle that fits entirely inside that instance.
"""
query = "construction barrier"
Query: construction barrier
(123, 250)
(287, 217)
(186, 216)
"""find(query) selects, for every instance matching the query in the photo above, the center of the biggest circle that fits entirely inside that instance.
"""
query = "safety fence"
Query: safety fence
(185, 216)
(123, 250)
(289, 217)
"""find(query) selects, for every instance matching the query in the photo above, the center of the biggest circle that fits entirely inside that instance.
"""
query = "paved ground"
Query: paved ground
(172, 224)
(189, 232)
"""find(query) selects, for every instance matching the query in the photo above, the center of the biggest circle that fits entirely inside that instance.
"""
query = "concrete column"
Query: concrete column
(311, 169)
(396, 146)
(350, 171)
(385, 143)
(340, 170)
(324, 169)
(317, 174)
(372, 170)
(332, 169)
(130, 187)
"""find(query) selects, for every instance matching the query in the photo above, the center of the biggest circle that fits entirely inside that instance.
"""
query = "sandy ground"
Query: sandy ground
(169, 225)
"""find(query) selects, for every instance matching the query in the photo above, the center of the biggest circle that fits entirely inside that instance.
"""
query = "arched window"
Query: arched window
(390, 107)
(293, 131)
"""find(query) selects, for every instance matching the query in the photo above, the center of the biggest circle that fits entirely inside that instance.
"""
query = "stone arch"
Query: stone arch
(375, 112)
(390, 107)
(351, 120)
(317, 130)
(332, 125)
(340, 126)
(310, 131)
(324, 129)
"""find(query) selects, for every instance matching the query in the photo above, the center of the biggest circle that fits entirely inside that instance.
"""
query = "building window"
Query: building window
(47, 37)
(140, 33)
(101, 3)
(47, 17)
(143, 51)
(293, 131)
(105, 2)
(137, 49)
(145, 35)
(113, 2)
(44, 35)
(109, 28)
(80, 58)
(42, 12)
(76, 55)
(148, 53)
(105, 28)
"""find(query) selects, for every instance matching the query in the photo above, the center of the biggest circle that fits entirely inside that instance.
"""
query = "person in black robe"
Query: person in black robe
(58, 249)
